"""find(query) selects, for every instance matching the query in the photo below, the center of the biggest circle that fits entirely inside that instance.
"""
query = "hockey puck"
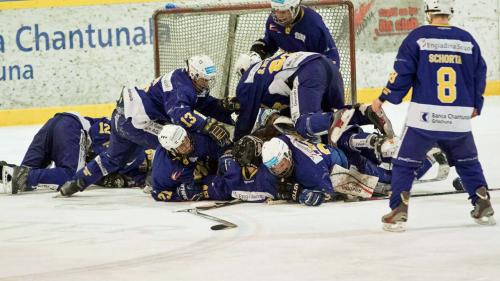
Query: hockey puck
(458, 184)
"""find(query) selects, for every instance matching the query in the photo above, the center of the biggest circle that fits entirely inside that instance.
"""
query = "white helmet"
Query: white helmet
(286, 5)
(172, 136)
(439, 7)
(201, 66)
(273, 153)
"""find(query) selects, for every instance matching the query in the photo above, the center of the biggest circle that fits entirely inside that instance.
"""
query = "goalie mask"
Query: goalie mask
(175, 139)
(202, 71)
(248, 150)
(285, 11)
(438, 7)
(277, 157)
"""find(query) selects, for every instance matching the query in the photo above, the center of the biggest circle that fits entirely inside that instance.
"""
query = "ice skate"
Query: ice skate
(71, 187)
(14, 178)
(341, 119)
(483, 211)
(395, 220)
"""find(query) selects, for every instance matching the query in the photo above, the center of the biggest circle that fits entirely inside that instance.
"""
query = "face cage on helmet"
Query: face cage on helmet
(286, 173)
(294, 11)
(175, 152)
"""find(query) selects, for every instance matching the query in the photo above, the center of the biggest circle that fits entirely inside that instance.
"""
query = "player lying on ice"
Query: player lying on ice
(180, 97)
(68, 141)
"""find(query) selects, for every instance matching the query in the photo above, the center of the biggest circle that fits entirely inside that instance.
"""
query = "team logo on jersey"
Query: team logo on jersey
(425, 116)
(176, 175)
(273, 27)
(300, 36)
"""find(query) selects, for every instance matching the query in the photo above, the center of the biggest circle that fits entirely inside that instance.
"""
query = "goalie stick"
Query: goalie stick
(223, 224)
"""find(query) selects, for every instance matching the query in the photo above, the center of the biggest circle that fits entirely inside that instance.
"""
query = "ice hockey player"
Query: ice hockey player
(175, 97)
(291, 28)
(444, 66)
(67, 140)
(242, 175)
(173, 175)
(308, 83)
(308, 164)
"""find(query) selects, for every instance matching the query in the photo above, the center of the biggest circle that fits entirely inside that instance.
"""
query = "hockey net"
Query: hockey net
(224, 31)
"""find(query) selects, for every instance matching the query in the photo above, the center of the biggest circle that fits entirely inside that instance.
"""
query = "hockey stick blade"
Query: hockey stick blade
(223, 224)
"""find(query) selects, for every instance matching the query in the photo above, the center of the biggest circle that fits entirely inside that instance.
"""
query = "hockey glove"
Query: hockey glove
(230, 104)
(217, 132)
(113, 180)
(224, 162)
(190, 192)
(311, 197)
(248, 151)
(288, 190)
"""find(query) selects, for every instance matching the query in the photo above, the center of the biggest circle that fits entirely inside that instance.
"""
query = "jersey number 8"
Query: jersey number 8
(447, 80)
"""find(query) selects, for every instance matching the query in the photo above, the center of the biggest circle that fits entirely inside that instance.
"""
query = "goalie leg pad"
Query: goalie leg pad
(352, 182)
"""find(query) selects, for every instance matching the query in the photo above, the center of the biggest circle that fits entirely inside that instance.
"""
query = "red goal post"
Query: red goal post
(224, 31)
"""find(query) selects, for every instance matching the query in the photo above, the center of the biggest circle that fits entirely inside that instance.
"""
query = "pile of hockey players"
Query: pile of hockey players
(294, 139)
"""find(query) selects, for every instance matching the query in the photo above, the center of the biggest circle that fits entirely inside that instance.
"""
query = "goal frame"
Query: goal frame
(255, 7)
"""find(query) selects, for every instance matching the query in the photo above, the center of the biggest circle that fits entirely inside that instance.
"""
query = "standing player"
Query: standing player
(140, 113)
(444, 66)
(291, 28)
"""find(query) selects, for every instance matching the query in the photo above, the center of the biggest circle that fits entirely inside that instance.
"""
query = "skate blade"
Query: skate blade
(395, 227)
(486, 221)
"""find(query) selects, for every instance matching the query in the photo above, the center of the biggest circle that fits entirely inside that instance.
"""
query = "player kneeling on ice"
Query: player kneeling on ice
(179, 97)
(67, 141)
(181, 163)
(444, 66)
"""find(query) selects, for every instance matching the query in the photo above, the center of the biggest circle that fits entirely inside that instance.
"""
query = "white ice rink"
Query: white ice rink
(105, 234)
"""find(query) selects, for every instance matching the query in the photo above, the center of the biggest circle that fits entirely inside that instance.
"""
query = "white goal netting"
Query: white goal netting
(224, 31)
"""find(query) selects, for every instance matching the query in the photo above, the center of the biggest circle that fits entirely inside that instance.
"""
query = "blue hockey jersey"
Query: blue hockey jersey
(313, 163)
(170, 171)
(444, 66)
(267, 84)
(236, 182)
(172, 98)
(309, 33)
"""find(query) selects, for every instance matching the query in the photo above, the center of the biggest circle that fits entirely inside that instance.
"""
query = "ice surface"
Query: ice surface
(105, 234)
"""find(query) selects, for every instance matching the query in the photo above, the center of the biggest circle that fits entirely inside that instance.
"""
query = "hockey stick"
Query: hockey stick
(420, 195)
(219, 204)
(223, 224)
